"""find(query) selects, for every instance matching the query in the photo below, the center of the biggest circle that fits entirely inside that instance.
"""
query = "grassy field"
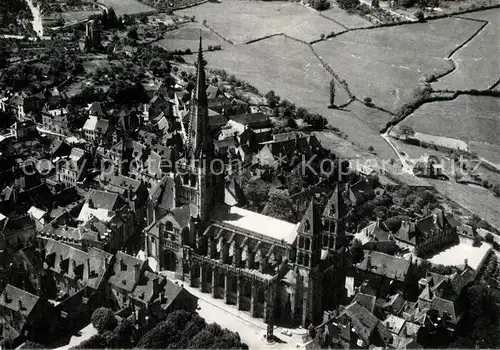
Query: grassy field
(487, 151)
(128, 7)
(76, 16)
(187, 36)
(477, 61)
(244, 20)
(347, 20)
(468, 118)
(386, 63)
(281, 64)
(370, 116)
(293, 72)
(447, 142)
(474, 198)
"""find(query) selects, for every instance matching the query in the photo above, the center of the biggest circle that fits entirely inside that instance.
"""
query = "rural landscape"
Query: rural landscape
(354, 201)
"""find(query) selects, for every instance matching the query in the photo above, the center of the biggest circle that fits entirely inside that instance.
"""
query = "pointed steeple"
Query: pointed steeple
(199, 139)
(336, 207)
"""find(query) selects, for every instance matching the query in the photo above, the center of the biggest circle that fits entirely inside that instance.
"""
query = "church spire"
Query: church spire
(199, 139)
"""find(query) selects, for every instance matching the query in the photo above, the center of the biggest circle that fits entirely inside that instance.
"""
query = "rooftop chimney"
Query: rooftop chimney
(137, 271)
(20, 302)
(466, 262)
(6, 297)
(88, 268)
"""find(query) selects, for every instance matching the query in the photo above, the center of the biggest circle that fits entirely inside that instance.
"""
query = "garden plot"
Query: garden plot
(467, 118)
(347, 20)
(387, 63)
(477, 62)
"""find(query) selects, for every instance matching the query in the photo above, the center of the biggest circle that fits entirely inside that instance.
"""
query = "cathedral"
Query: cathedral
(286, 273)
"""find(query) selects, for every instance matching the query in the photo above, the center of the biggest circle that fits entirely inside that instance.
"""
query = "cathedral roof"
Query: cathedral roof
(247, 220)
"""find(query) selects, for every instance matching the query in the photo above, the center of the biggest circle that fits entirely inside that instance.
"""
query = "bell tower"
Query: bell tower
(200, 177)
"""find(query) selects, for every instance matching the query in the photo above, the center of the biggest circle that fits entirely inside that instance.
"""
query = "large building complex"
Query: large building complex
(279, 271)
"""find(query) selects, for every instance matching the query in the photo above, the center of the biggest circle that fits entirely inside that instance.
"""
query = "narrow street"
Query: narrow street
(407, 168)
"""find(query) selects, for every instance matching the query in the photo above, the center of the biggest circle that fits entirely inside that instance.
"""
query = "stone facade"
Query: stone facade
(275, 270)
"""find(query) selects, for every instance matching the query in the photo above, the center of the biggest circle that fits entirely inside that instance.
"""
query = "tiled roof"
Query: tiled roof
(217, 121)
(182, 215)
(105, 200)
(407, 233)
(363, 321)
(65, 259)
(443, 306)
(228, 142)
(99, 262)
(251, 119)
(361, 189)
(162, 124)
(394, 324)
(62, 231)
(6, 193)
(365, 300)
(125, 271)
(385, 265)
(427, 226)
(372, 232)
(144, 290)
(96, 124)
(118, 183)
(38, 214)
(18, 300)
(95, 109)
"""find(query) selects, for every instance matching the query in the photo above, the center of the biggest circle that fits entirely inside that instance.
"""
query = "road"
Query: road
(37, 18)
(407, 167)
(251, 330)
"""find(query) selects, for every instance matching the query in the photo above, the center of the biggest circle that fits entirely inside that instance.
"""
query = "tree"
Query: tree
(477, 241)
(406, 131)
(272, 99)
(348, 4)
(280, 206)
(287, 108)
(375, 4)
(316, 121)
(320, 5)
(214, 337)
(300, 113)
(394, 223)
(103, 319)
(123, 336)
(291, 123)
(332, 92)
(295, 183)
(167, 333)
(132, 34)
(420, 16)
(257, 192)
(482, 315)
(356, 251)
